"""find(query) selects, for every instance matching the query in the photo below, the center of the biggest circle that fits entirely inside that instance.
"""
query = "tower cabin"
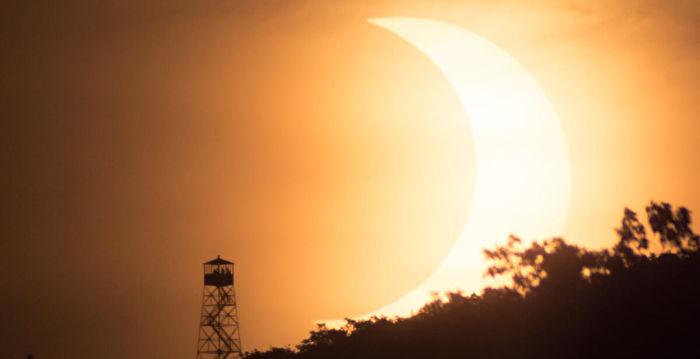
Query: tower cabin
(218, 272)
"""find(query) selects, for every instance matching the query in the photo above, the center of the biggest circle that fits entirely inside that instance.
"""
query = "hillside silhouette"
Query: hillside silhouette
(638, 299)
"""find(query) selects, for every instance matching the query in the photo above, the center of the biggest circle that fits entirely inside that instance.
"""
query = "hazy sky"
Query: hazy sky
(325, 156)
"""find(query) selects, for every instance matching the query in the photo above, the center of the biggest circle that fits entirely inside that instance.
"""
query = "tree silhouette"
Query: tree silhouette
(638, 299)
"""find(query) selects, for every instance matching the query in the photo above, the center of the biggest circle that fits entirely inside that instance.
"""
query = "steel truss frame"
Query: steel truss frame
(219, 336)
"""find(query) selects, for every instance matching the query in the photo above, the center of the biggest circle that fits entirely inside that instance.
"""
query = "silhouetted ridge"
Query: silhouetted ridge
(639, 299)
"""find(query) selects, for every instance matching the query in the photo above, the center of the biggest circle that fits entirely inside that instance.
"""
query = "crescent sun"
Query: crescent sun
(522, 183)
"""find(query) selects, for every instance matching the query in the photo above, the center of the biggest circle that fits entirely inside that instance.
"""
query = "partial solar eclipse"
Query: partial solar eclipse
(522, 179)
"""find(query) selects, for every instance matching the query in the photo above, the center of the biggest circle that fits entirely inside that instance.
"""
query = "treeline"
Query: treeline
(638, 299)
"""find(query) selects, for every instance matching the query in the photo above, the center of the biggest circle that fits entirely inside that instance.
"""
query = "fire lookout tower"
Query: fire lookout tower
(219, 337)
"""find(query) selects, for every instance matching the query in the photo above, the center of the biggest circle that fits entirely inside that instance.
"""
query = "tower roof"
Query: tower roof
(218, 260)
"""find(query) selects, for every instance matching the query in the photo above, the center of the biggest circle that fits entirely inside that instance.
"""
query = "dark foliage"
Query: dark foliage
(639, 299)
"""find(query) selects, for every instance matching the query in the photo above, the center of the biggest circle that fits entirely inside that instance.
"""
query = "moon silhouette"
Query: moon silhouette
(522, 178)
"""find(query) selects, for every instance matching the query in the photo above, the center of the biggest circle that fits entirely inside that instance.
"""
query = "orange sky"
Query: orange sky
(325, 156)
